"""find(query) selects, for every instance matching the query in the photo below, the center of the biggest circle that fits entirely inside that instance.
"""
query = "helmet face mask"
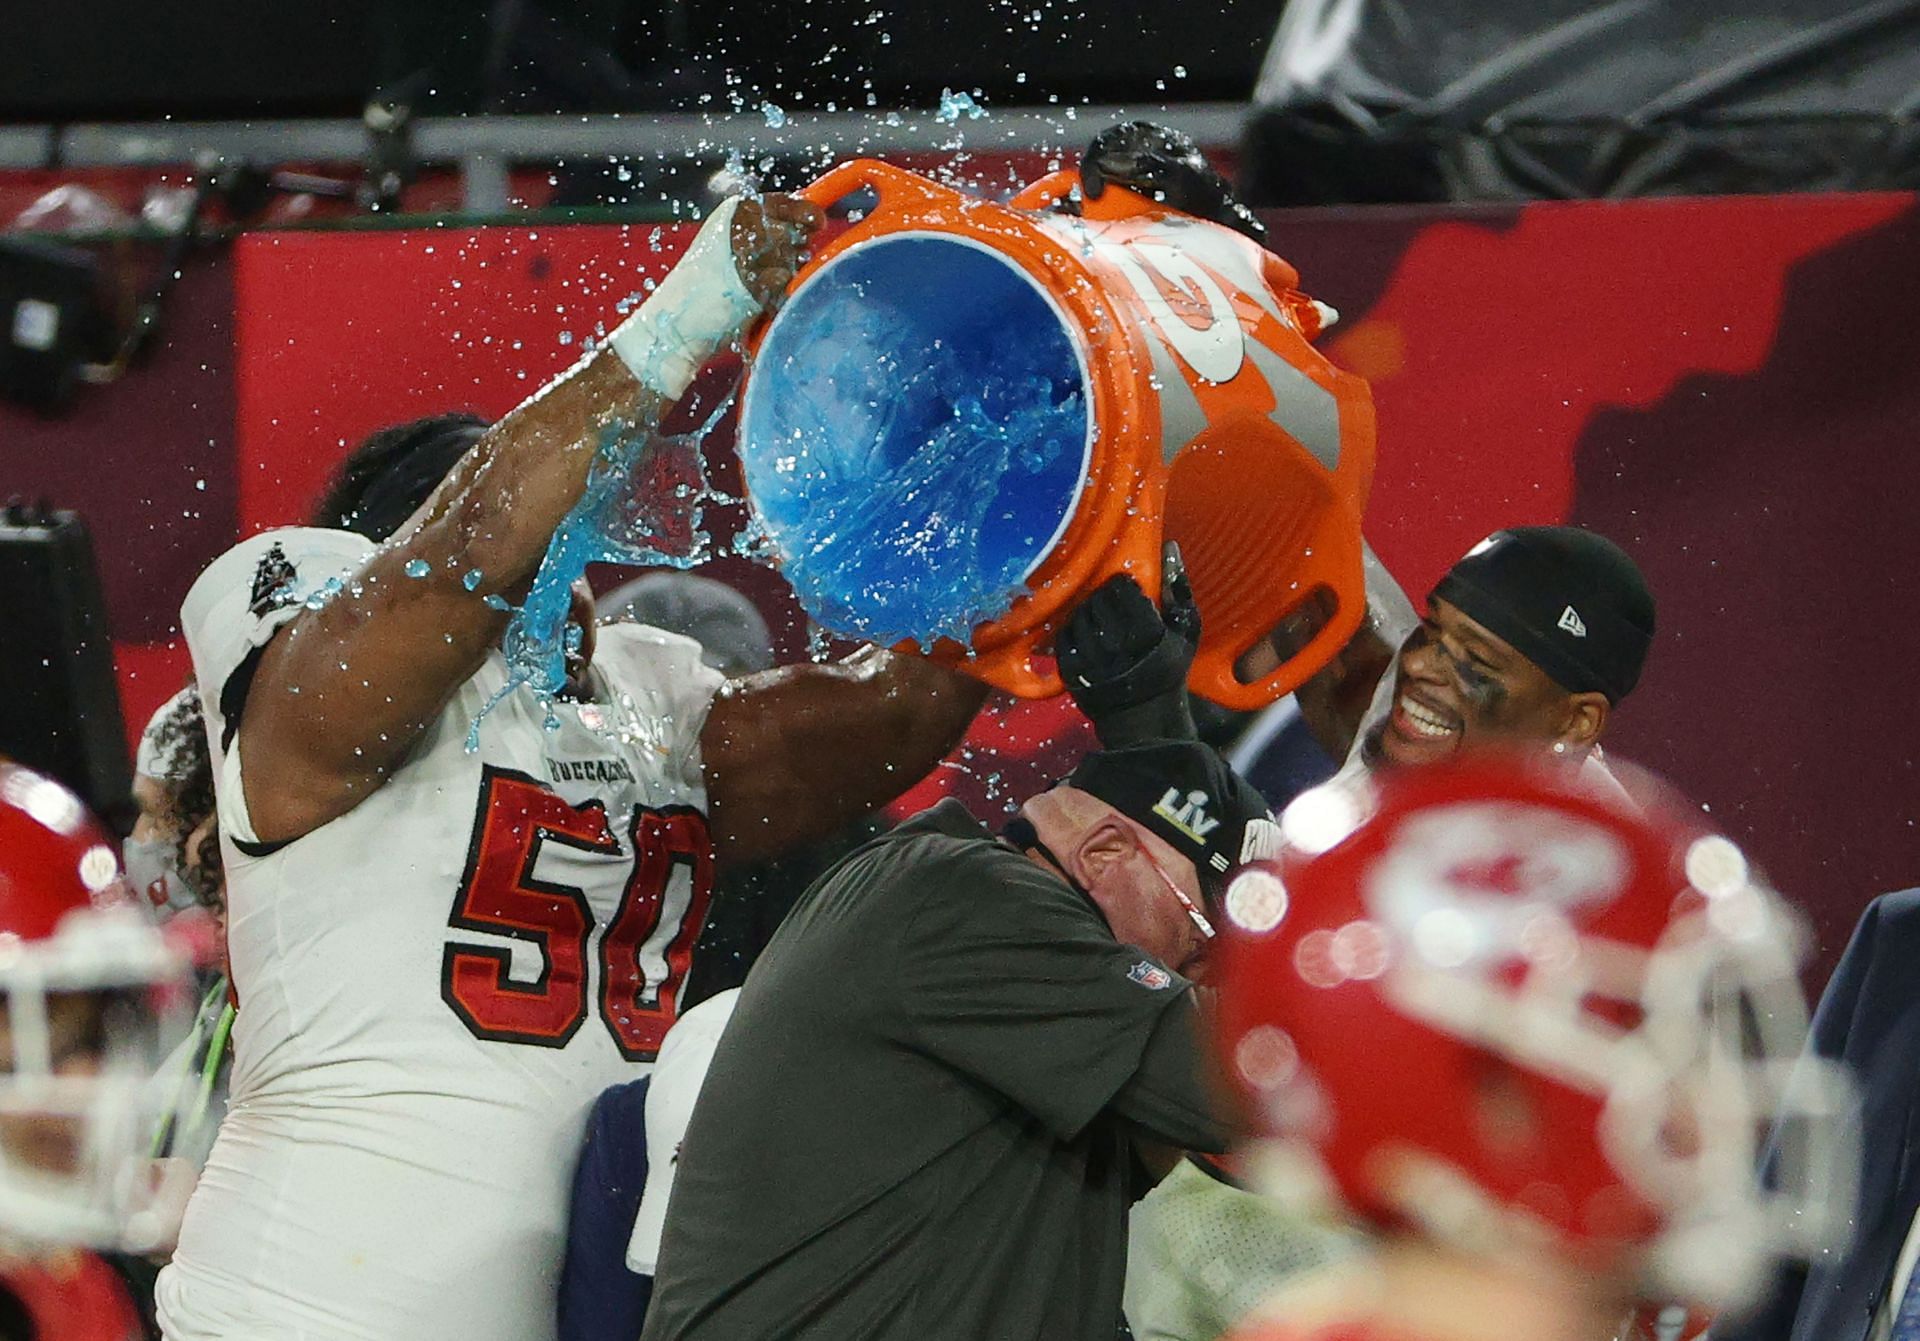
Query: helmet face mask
(1579, 1024)
(90, 992)
(82, 1019)
(1727, 1022)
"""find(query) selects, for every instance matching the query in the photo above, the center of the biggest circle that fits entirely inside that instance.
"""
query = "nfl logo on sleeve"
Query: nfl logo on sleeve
(1150, 976)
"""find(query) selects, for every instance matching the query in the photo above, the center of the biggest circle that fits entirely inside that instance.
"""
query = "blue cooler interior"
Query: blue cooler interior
(915, 433)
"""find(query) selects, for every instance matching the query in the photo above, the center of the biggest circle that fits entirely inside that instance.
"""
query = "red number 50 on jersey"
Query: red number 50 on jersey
(518, 820)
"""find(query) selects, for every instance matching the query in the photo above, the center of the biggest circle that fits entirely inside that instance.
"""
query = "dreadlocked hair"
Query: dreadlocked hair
(181, 735)
(396, 469)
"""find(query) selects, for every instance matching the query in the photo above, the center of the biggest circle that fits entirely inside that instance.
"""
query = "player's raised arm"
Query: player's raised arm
(338, 697)
(793, 754)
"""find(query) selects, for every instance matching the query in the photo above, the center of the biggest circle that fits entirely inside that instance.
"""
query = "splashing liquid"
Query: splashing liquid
(915, 434)
(953, 106)
(914, 439)
(643, 505)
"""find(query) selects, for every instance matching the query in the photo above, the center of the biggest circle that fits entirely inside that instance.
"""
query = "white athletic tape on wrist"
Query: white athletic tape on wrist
(700, 305)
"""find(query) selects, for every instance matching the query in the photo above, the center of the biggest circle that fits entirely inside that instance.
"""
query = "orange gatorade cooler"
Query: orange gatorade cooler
(967, 415)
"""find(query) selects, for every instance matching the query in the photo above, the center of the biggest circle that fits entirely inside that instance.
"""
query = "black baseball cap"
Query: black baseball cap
(1184, 792)
(1569, 601)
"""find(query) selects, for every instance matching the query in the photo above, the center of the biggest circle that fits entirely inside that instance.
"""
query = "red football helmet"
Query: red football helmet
(1518, 1016)
(86, 982)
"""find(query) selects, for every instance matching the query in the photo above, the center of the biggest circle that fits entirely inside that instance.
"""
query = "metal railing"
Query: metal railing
(531, 139)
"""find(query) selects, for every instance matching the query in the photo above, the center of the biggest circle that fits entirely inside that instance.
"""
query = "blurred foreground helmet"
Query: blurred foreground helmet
(87, 987)
(1476, 1004)
(1666, 1322)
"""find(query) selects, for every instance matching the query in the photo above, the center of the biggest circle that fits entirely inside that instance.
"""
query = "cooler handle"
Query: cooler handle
(896, 188)
(1213, 676)
(1116, 202)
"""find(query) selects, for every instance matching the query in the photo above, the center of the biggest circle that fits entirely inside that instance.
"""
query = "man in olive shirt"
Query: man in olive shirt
(921, 1122)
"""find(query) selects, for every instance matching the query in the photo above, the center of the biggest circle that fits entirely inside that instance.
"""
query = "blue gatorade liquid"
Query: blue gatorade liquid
(643, 505)
(915, 434)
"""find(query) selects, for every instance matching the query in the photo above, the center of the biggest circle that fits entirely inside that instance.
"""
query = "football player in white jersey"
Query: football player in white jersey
(442, 954)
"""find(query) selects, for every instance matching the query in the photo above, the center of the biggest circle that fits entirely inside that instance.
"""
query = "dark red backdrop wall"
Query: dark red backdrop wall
(1723, 386)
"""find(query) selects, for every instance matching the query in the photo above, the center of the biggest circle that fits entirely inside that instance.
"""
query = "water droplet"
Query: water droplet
(328, 590)
(955, 105)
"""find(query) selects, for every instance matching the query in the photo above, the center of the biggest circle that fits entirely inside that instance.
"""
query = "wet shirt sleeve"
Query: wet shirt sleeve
(1011, 978)
(1167, 1096)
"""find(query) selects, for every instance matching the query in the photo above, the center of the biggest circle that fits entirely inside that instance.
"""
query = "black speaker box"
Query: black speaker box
(52, 320)
(59, 700)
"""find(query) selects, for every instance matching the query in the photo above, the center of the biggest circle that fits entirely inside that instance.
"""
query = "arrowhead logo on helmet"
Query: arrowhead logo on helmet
(1520, 953)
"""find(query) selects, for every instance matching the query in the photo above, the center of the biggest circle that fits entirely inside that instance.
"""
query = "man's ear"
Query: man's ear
(1103, 846)
(1584, 720)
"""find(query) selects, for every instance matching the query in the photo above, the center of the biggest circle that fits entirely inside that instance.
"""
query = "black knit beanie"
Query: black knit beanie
(1568, 600)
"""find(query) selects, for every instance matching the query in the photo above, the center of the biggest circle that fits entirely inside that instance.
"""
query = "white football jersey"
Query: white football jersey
(1202, 1254)
(685, 1059)
(435, 986)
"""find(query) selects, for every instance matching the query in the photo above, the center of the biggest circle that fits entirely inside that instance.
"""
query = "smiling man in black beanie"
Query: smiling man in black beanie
(1530, 641)
(924, 1118)
(1533, 637)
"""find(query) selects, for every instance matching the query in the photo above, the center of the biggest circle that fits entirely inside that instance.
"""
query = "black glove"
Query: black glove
(1125, 664)
(1164, 165)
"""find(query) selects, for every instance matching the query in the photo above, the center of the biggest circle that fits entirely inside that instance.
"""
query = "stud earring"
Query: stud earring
(1559, 747)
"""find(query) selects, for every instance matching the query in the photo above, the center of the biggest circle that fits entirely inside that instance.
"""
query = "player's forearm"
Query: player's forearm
(907, 715)
(500, 508)
(351, 686)
(496, 513)
(792, 755)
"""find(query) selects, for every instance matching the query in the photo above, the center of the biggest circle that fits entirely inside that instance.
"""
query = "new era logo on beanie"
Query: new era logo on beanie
(1568, 600)
(1184, 792)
